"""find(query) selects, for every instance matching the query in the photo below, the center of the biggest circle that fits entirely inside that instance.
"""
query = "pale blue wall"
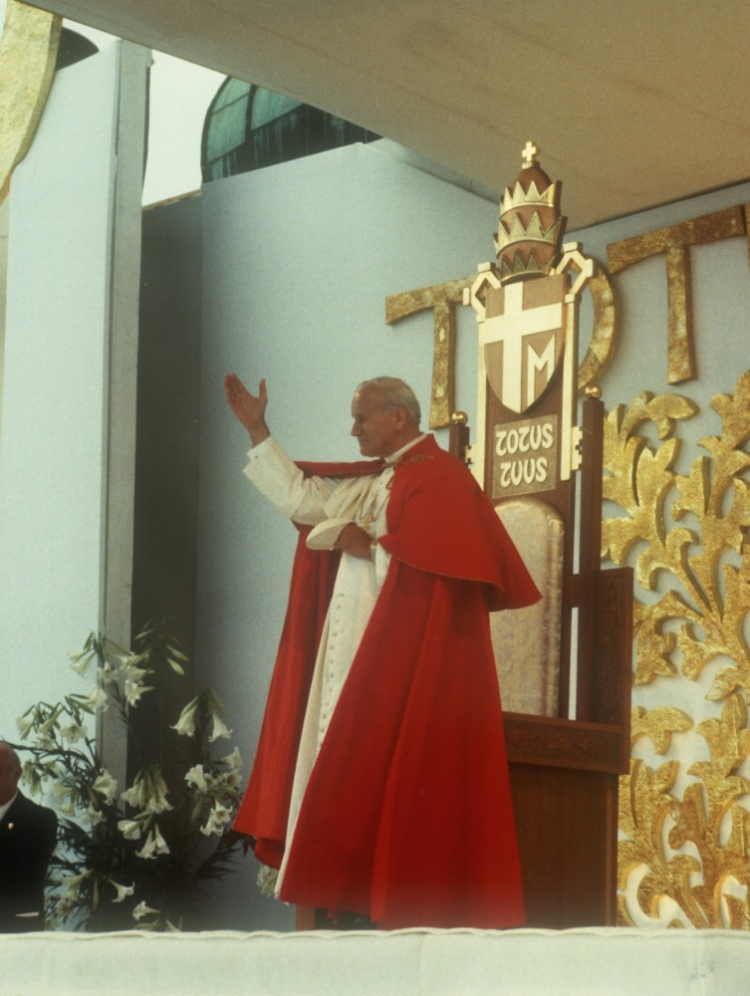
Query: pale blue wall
(55, 438)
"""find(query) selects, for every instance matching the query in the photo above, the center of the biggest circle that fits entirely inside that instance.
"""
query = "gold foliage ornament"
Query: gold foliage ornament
(712, 596)
(689, 536)
(701, 862)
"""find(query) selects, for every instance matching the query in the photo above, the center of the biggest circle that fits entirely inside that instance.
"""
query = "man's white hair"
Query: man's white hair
(394, 393)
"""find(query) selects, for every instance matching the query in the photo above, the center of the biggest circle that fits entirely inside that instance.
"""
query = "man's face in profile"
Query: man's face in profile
(9, 776)
(376, 430)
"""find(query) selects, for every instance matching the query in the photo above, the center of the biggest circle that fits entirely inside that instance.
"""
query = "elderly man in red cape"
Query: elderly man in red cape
(380, 785)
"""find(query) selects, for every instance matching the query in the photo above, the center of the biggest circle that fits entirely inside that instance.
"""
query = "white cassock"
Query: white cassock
(311, 501)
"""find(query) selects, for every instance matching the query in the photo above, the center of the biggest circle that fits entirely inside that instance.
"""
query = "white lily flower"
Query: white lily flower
(50, 722)
(79, 662)
(123, 891)
(123, 660)
(217, 820)
(142, 910)
(157, 798)
(148, 850)
(107, 674)
(149, 792)
(136, 795)
(64, 907)
(133, 691)
(132, 672)
(220, 728)
(72, 883)
(267, 878)
(155, 845)
(31, 777)
(130, 829)
(98, 700)
(72, 733)
(60, 790)
(25, 725)
(106, 786)
(197, 777)
(185, 725)
(233, 760)
(95, 816)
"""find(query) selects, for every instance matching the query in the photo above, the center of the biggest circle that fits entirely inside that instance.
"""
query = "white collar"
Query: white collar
(395, 457)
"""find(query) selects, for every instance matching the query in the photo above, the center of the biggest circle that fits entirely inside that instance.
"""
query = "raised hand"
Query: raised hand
(248, 408)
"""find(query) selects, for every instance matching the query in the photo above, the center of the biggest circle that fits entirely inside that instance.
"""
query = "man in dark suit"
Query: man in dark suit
(27, 840)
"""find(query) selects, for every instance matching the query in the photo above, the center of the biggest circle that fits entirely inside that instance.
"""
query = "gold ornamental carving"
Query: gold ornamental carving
(709, 598)
(694, 848)
(443, 299)
(28, 50)
(684, 823)
(675, 243)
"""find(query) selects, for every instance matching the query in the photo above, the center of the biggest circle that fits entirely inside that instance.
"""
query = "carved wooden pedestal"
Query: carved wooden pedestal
(567, 822)
(565, 775)
(566, 817)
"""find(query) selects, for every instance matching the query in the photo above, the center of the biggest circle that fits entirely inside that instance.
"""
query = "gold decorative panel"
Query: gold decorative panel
(442, 299)
(685, 807)
(28, 50)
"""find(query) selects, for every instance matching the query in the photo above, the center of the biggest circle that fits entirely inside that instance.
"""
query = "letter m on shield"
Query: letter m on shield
(523, 346)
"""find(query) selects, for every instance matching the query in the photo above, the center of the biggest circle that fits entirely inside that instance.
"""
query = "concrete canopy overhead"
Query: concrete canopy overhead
(631, 104)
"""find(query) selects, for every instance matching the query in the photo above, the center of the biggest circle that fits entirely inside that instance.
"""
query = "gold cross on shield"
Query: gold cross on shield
(522, 346)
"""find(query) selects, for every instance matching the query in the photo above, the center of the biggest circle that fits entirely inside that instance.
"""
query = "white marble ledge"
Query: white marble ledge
(581, 962)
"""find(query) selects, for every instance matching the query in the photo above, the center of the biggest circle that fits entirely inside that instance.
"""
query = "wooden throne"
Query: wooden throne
(564, 772)
(564, 665)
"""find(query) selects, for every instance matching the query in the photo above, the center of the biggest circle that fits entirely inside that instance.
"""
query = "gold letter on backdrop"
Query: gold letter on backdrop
(605, 334)
(675, 243)
(441, 298)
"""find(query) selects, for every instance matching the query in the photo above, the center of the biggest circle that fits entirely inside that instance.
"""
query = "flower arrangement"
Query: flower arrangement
(134, 855)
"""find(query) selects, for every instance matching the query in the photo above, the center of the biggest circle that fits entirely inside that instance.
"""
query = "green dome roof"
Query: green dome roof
(248, 127)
